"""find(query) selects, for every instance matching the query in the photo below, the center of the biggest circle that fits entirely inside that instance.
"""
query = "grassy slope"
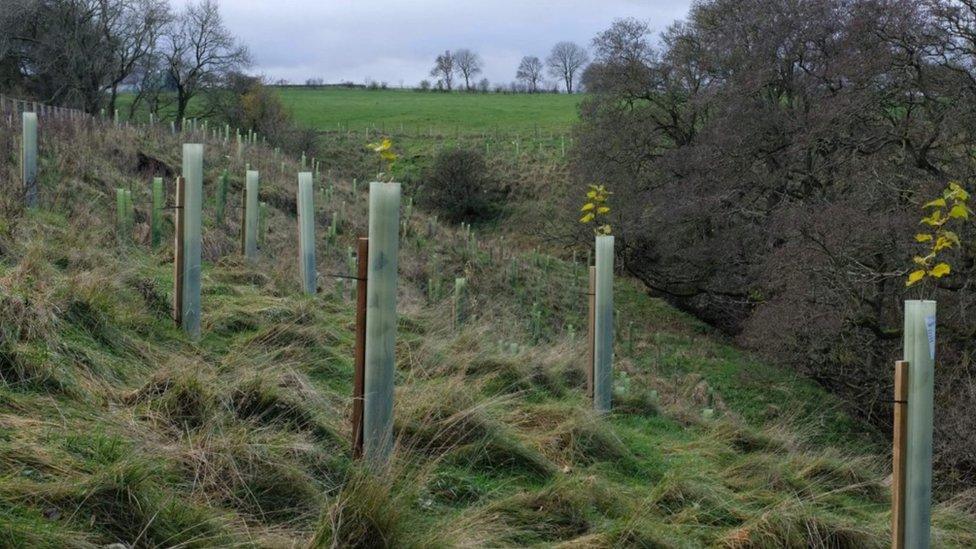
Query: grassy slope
(114, 427)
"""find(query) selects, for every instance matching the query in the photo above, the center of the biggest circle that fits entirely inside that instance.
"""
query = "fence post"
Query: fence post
(192, 205)
(178, 255)
(384, 225)
(603, 334)
(591, 331)
(359, 359)
(919, 348)
(28, 157)
(306, 233)
(898, 456)
(251, 181)
(156, 221)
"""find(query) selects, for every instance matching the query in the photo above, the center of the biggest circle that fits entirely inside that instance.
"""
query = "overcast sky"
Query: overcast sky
(396, 40)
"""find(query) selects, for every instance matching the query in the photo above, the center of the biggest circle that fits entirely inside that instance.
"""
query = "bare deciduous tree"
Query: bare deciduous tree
(444, 68)
(200, 52)
(768, 164)
(566, 61)
(530, 72)
(468, 65)
(132, 30)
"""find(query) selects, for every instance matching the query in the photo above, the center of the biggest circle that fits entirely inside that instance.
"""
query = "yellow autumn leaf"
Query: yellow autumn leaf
(603, 210)
(959, 211)
(914, 277)
(587, 218)
(957, 192)
(941, 243)
(934, 220)
(923, 237)
(923, 261)
(937, 203)
(591, 194)
(587, 206)
(940, 270)
(953, 237)
(383, 145)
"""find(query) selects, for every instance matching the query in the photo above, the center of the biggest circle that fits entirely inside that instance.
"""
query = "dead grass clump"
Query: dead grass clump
(446, 419)
(367, 513)
(763, 472)
(500, 375)
(744, 439)
(182, 399)
(693, 500)
(128, 501)
(261, 400)
(799, 525)
(261, 473)
(583, 438)
(553, 514)
(835, 472)
(31, 365)
(635, 402)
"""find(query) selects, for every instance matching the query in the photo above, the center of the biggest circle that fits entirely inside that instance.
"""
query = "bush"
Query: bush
(459, 185)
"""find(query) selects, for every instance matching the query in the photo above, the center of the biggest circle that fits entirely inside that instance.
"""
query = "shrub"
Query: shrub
(459, 185)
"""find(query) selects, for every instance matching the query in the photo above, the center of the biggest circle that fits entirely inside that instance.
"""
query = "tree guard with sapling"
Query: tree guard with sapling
(156, 219)
(251, 183)
(384, 225)
(306, 233)
(28, 158)
(192, 206)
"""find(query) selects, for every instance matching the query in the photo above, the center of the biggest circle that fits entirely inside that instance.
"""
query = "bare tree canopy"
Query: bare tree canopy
(530, 72)
(769, 161)
(468, 64)
(200, 52)
(566, 62)
(444, 68)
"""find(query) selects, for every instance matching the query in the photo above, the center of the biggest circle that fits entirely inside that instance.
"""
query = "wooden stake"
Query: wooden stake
(899, 439)
(591, 334)
(178, 255)
(359, 378)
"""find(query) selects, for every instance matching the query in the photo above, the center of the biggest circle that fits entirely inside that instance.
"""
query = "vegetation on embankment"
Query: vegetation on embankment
(115, 428)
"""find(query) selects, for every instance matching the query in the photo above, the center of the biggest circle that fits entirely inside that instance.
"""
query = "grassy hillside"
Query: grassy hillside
(424, 113)
(115, 428)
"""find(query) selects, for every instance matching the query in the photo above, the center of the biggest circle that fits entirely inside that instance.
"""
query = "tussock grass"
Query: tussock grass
(798, 524)
(115, 428)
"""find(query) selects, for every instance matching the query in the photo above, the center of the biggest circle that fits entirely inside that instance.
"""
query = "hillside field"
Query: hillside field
(115, 427)
(424, 112)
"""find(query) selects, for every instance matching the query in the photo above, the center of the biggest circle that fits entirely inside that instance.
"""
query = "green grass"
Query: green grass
(116, 428)
(332, 109)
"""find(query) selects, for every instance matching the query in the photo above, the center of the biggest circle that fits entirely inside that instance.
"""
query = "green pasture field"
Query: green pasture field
(423, 113)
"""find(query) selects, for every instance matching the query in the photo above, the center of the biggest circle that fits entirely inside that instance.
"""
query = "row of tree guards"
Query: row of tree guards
(376, 320)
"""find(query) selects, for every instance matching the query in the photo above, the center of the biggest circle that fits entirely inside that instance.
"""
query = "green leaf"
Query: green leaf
(959, 211)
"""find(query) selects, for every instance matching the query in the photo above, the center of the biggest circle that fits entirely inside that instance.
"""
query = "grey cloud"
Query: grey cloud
(397, 40)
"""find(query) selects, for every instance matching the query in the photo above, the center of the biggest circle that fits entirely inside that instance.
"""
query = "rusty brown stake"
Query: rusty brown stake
(178, 254)
(359, 377)
(591, 333)
(899, 441)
